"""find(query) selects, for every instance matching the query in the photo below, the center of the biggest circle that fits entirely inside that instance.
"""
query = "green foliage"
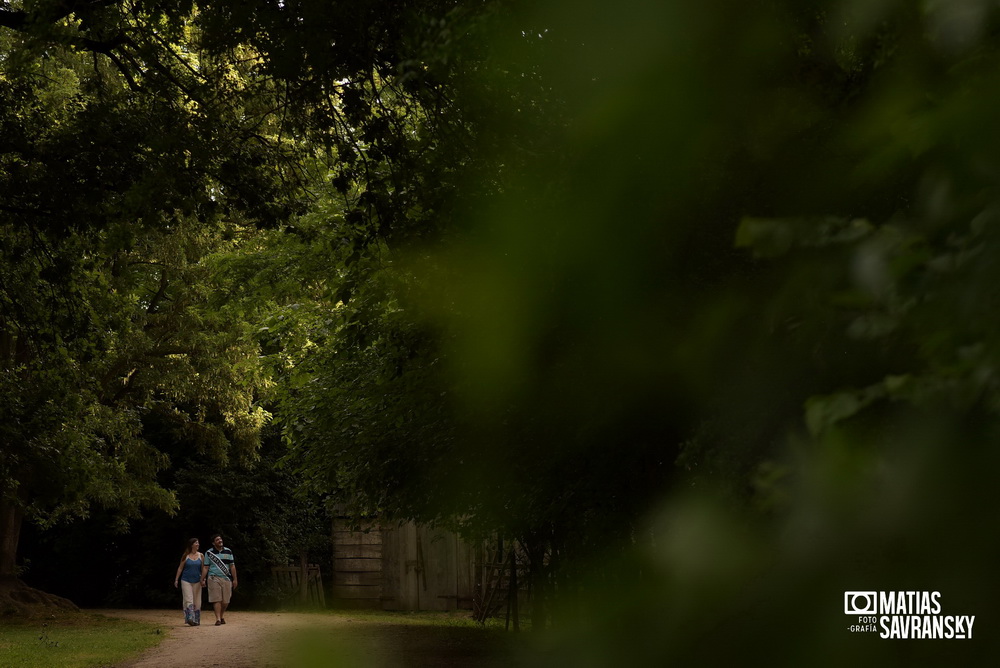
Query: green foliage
(149, 146)
(114, 337)
(365, 411)
(114, 202)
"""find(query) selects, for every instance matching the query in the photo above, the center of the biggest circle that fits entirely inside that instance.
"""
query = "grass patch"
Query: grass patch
(452, 619)
(79, 642)
(374, 638)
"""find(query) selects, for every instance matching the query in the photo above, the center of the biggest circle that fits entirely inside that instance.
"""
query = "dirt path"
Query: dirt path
(248, 638)
(275, 640)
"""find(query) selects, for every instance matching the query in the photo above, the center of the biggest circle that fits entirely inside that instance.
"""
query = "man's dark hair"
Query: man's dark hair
(216, 535)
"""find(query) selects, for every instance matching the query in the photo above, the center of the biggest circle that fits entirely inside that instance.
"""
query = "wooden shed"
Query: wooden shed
(408, 567)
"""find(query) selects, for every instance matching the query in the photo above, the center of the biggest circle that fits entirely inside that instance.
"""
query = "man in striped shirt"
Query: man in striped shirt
(219, 575)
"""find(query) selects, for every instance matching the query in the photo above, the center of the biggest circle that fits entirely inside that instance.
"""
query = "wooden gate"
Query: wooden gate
(307, 591)
(425, 569)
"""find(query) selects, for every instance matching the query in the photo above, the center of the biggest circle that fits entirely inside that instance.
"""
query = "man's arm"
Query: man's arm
(232, 570)
(204, 571)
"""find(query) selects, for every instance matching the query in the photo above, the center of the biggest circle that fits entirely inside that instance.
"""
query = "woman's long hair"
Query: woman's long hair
(187, 551)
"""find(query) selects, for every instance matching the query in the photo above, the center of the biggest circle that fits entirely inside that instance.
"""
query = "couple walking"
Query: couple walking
(215, 569)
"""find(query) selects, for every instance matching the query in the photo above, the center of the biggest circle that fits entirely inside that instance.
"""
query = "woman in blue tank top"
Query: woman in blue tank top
(188, 577)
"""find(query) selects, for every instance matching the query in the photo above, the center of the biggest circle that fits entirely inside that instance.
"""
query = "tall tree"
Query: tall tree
(108, 213)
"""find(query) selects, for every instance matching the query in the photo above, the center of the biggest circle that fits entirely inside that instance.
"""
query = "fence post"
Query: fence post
(304, 578)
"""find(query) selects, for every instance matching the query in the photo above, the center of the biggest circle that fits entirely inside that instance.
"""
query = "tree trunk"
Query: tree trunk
(304, 581)
(11, 516)
(478, 587)
(512, 592)
(13, 351)
(538, 575)
(18, 600)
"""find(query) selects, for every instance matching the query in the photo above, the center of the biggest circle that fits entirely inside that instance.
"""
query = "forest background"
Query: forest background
(696, 303)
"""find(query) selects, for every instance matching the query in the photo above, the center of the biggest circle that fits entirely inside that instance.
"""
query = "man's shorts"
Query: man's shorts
(219, 589)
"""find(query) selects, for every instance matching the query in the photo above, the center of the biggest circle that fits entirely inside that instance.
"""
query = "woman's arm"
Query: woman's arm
(180, 567)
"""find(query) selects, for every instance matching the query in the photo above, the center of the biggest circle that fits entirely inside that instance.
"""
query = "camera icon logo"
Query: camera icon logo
(860, 602)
